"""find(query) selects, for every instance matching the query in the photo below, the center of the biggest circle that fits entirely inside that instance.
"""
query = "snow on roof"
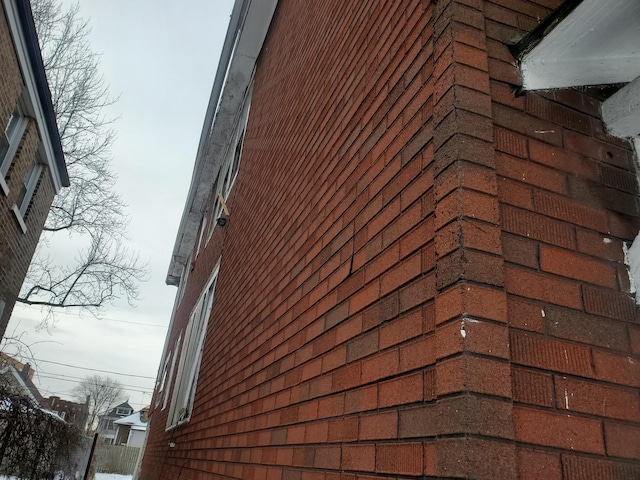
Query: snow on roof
(134, 421)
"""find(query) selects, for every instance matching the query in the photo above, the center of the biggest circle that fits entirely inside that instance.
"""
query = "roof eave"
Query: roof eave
(247, 30)
(29, 55)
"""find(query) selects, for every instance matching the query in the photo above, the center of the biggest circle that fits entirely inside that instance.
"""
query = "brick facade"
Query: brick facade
(72, 412)
(17, 247)
(422, 275)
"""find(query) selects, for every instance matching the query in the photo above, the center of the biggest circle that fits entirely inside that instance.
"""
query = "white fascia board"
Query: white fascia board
(549, 73)
(35, 101)
(596, 44)
(621, 111)
(225, 104)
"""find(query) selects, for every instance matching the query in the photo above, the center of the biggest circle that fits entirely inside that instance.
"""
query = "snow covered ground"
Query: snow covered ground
(99, 476)
(111, 476)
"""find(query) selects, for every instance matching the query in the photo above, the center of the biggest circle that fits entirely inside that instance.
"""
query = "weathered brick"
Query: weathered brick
(402, 458)
(532, 387)
(401, 390)
(536, 464)
(588, 468)
(553, 355)
(547, 288)
(531, 225)
(581, 327)
(622, 440)
(616, 368)
(558, 430)
(596, 399)
(473, 300)
(569, 264)
(378, 426)
(359, 457)
(470, 374)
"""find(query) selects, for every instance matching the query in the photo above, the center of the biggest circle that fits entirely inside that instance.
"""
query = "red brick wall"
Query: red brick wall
(568, 195)
(399, 225)
(16, 247)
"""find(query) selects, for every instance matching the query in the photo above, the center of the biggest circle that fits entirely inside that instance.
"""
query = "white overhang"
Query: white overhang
(589, 42)
(592, 42)
(248, 27)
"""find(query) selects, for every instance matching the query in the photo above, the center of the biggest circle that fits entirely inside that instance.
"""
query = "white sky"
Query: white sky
(161, 57)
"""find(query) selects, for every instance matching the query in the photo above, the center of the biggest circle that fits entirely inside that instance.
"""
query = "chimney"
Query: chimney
(25, 371)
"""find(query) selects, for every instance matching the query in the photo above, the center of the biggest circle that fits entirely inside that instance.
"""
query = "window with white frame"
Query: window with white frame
(184, 277)
(29, 187)
(230, 166)
(189, 365)
(9, 142)
(162, 379)
(176, 352)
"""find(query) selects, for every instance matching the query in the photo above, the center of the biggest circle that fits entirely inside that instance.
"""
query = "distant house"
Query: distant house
(19, 382)
(106, 426)
(72, 412)
(18, 365)
(131, 430)
(32, 167)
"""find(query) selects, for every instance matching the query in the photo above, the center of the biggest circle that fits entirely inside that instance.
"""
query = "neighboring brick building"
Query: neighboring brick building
(71, 412)
(32, 168)
(421, 274)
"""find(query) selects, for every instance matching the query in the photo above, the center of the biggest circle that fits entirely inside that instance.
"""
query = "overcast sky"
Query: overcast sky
(160, 56)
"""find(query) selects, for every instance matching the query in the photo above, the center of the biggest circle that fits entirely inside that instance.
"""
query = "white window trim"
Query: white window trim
(171, 380)
(33, 177)
(162, 380)
(13, 142)
(183, 282)
(227, 165)
(186, 381)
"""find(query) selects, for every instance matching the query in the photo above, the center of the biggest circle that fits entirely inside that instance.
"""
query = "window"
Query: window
(124, 411)
(184, 277)
(9, 142)
(189, 365)
(29, 186)
(229, 168)
(176, 351)
(162, 380)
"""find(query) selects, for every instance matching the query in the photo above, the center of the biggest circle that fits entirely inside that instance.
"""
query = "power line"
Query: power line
(59, 376)
(99, 319)
(76, 381)
(51, 392)
(94, 369)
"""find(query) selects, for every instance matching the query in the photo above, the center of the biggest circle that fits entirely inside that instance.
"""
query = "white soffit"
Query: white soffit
(598, 43)
(621, 111)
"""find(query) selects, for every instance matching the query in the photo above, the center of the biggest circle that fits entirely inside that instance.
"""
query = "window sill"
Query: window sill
(18, 215)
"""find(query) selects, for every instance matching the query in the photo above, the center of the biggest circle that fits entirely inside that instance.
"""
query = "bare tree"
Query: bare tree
(89, 212)
(103, 393)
